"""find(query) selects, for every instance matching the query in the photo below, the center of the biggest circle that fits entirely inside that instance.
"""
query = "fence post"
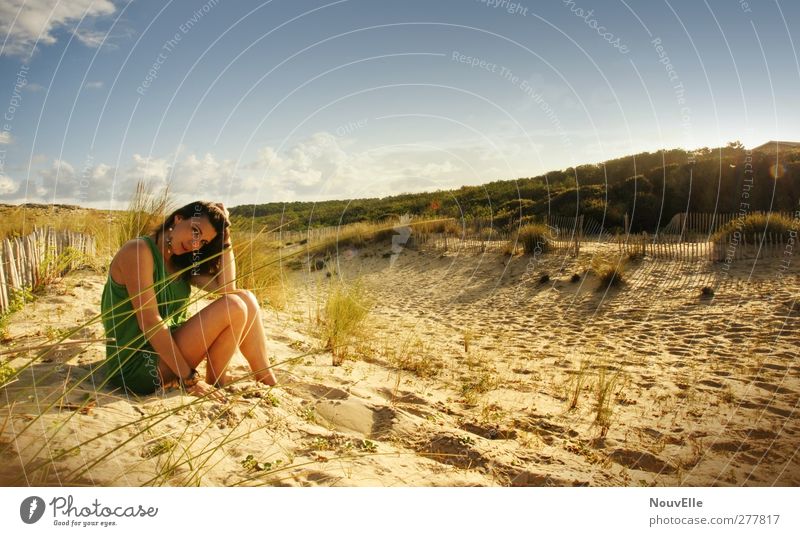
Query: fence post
(644, 243)
(4, 299)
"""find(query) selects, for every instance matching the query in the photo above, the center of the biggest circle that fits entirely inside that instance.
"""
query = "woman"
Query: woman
(144, 307)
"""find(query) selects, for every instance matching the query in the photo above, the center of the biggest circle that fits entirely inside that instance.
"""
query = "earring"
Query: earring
(169, 242)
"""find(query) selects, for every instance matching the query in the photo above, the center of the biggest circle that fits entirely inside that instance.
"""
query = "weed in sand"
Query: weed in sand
(53, 266)
(604, 398)
(476, 385)
(343, 319)
(610, 271)
(468, 335)
(533, 238)
(162, 446)
(416, 357)
(575, 385)
(7, 372)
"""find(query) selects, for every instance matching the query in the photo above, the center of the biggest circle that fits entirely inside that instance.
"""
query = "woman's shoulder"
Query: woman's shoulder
(135, 254)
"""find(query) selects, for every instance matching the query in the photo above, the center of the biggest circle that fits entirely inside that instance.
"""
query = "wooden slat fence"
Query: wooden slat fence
(22, 258)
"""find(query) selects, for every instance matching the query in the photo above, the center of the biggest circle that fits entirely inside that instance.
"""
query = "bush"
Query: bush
(609, 271)
(345, 312)
(757, 224)
(533, 238)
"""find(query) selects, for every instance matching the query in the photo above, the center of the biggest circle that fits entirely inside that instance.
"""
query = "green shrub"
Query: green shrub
(533, 238)
(757, 224)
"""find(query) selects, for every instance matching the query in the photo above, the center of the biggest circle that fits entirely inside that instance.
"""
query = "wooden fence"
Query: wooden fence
(729, 248)
(685, 238)
(22, 259)
(707, 223)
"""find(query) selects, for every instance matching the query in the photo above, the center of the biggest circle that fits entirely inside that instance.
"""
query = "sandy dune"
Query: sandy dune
(698, 390)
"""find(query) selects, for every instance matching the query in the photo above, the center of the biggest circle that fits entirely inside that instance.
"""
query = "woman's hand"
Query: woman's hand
(226, 233)
(224, 211)
(202, 389)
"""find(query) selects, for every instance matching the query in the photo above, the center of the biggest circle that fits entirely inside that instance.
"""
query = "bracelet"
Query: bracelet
(190, 381)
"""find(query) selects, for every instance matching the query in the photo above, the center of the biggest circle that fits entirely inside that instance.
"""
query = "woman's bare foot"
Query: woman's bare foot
(267, 378)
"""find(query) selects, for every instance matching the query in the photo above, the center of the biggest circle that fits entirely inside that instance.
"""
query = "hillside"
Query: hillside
(650, 187)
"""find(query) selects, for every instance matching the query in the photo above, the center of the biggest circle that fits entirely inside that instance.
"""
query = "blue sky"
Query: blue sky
(249, 102)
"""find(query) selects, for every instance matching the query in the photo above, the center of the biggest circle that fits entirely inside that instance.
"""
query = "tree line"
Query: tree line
(650, 187)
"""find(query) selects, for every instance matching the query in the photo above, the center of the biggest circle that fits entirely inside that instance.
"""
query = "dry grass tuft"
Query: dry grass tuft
(610, 271)
(343, 319)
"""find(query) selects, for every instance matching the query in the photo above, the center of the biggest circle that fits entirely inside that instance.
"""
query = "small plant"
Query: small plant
(53, 267)
(309, 415)
(468, 336)
(707, 292)
(510, 248)
(7, 372)
(604, 398)
(321, 443)
(533, 238)
(609, 271)
(575, 278)
(544, 278)
(414, 356)
(576, 384)
(466, 441)
(19, 297)
(164, 446)
(368, 446)
(343, 319)
(251, 464)
(481, 383)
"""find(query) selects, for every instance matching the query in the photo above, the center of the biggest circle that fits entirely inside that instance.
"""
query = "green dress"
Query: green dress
(131, 362)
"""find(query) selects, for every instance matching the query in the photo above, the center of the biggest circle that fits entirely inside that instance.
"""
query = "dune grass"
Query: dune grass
(610, 271)
(534, 238)
(343, 318)
(607, 382)
(147, 209)
(758, 224)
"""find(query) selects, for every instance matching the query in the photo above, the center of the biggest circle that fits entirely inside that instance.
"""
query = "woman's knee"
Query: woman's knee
(250, 300)
(249, 297)
(235, 306)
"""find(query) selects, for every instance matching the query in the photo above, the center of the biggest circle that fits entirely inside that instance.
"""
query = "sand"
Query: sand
(472, 371)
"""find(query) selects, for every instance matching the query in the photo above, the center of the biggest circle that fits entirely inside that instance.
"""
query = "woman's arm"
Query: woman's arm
(137, 262)
(226, 278)
(224, 281)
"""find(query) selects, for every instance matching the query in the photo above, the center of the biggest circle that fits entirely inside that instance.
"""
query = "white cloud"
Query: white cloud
(33, 87)
(313, 169)
(149, 169)
(92, 38)
(7, 186)
(95, 84)
(26, 21)
(5, 137)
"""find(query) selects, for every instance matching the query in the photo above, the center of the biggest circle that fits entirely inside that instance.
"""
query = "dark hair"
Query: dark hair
(200, 261)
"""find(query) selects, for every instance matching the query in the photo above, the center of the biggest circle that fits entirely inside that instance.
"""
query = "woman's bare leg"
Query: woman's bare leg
(219, 355)
(254, 342)
(197, 337)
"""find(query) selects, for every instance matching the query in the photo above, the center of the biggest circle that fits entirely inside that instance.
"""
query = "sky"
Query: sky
(300, 100)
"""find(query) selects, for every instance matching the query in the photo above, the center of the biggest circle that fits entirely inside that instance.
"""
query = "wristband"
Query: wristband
(191, 380)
